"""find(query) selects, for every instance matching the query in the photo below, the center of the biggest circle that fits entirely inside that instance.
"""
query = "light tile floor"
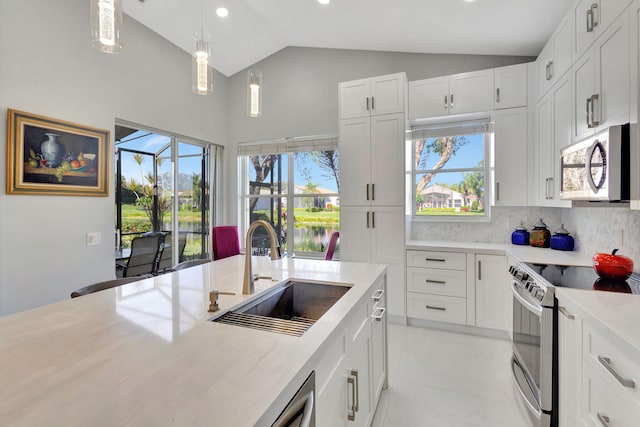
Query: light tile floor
(440, 378)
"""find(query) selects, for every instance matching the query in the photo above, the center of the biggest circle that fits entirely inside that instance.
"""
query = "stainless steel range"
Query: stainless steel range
(534, 337)
(535, 331)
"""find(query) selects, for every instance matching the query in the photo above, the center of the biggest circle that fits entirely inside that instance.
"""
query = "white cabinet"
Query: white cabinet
(601, 79)
(493, 293)
(569, 355)
(555, 59)
(591, 18)
(351, 371)
(369, 234)
(372, 96)
(372, 159)
(437, 286)
(634, 58)
(510, 154)
(510, 86)
(372, 194)
(455, 94)
(553, 132)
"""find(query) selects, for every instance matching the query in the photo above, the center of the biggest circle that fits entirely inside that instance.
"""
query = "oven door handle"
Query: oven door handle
(532, 308)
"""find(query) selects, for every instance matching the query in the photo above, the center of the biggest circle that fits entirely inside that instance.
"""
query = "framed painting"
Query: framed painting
(48, 156)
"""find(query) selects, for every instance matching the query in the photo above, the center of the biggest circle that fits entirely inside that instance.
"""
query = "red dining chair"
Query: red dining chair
(333, 240)
(225, 241)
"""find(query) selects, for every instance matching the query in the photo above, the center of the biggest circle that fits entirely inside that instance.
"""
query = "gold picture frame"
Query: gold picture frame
(47, 156)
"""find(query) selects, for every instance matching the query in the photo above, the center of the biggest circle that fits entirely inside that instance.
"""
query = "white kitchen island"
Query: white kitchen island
(145, 354)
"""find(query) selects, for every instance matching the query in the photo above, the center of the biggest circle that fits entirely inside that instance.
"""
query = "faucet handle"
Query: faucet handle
(213, 299)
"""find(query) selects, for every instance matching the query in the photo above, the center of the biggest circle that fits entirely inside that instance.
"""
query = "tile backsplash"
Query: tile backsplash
(594, 229)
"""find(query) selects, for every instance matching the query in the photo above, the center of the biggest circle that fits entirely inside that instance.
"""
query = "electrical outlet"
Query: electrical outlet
(94, 238)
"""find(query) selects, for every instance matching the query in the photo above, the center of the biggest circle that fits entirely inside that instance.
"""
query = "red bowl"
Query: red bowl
(612, 266)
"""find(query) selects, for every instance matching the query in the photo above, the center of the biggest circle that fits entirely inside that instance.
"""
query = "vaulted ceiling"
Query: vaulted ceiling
(255, 29)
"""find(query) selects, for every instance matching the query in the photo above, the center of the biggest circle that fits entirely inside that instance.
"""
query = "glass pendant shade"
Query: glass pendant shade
(106, 24)
(202, 71)
(254, 93)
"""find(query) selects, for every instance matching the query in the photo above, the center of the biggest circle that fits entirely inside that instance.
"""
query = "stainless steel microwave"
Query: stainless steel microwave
(597, 168)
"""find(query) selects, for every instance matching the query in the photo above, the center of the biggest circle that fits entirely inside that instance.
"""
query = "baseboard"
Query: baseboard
(462, 329)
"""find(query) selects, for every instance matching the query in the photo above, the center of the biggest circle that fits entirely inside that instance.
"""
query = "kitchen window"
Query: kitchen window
(449, 171)
(294, 184)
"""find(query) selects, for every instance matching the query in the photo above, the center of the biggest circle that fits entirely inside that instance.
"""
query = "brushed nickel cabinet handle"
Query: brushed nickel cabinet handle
(437, 282)
(434, 259)
(373, 103)
(547, 76)
(356, 405)
(431, 307)
(446, 104)
(479, 270)
(606, 362)
(550, 70)
(367, 103)
(351, 413)
(367, 191)
(590, 20)
(497, 94)
(497, 191)
(604, 419)
(378, 314)
(588, 106)
(377, 296)
(451, 103)
(368, 223)
(373, 191)
(373, 219)
(566, 313)
(594, 120)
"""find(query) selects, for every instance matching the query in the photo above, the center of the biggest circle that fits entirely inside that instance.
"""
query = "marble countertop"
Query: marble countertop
(521, 253)
(145, 354)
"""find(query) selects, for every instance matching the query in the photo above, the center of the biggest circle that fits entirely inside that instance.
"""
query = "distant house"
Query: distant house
(322, 198)
(437, 196)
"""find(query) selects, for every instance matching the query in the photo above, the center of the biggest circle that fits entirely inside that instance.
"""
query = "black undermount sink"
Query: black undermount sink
(291, 308)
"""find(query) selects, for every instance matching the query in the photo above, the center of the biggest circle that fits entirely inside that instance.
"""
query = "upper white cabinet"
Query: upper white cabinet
(555, 59)
(510, 154)
(601, 81)
(372, 155)
(372, 96)
(553, 132)
(510, 86)
(455, 94)
(591, 18)
(634, 57)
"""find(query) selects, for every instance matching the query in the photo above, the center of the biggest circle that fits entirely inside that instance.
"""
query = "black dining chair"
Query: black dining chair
(144, 256)
(101, 286)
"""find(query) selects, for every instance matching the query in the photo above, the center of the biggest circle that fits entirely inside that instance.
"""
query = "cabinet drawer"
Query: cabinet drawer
(612, 362)
(432, 259)
(601, 405)
(436, 307)
(452, 283)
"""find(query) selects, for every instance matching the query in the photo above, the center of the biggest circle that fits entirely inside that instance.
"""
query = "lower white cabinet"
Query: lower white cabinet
(465, 288)
(494, 303)
(352, 370)
(598, 373)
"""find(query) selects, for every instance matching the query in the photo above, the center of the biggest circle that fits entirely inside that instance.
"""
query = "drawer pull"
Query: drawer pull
(351, 412)
(566, 313)
(604, 419)
(438, 282)
(434, 260)
(431, 307)
(377, 295)
(606, 362)
(378, 314)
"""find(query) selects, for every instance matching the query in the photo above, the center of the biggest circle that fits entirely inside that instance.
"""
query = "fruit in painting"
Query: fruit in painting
(75, 164)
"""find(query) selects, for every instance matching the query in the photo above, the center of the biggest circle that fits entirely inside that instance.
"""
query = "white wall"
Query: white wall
(47, 67)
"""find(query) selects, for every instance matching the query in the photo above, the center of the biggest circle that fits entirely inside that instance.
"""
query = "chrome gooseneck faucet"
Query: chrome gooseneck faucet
(248, 288)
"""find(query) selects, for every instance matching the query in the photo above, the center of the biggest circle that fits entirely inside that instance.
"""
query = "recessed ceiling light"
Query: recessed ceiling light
(222, 12)
(324, 1)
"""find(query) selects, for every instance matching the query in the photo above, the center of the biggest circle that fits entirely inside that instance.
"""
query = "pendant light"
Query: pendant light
(106, 23)
(202, 72)
(254, 92)
(254, 88)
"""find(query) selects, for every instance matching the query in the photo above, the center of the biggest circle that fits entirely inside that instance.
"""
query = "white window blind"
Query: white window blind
(289, 145)
(451, 129)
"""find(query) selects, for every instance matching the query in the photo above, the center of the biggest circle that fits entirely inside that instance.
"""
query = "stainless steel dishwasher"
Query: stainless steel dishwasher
(301, 410)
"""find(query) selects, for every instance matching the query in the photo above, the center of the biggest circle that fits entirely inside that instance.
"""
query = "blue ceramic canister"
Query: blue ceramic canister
(561, 240)
(520, 236)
